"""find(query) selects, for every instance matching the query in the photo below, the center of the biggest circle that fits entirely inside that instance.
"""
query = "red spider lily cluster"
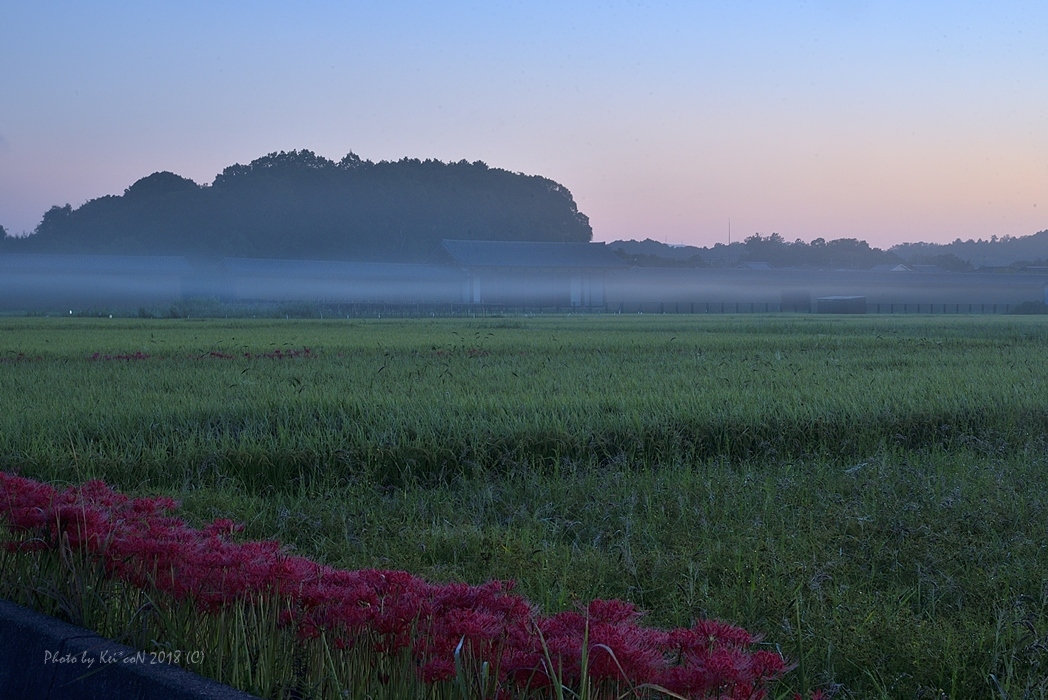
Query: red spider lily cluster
(140, 543)
(98, 356)
(20, 357)
(470, 352)
(277, 354)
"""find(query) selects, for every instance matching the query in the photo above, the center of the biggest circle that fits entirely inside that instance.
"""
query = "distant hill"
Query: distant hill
(996, 252)
(299, 205)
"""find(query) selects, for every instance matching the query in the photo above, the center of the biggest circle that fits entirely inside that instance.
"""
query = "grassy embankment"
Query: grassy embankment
(868, 493)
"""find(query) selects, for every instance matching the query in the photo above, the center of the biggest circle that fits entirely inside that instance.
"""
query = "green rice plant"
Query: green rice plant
(402, 402)
(888, 473)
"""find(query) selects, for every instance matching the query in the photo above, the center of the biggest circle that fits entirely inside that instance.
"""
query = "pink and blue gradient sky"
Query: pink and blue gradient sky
(886, 120)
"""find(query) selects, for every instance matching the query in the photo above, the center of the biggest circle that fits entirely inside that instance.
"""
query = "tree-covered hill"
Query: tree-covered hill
(1006, 250)
(776, 251)
(299, 205)
(842, 253)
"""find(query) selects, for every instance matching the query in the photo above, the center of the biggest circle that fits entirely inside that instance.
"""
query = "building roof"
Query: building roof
(335, 269)
(94, 264)
(525, 254)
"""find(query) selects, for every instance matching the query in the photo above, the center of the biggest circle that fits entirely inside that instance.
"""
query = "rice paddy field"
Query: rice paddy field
(868, 493)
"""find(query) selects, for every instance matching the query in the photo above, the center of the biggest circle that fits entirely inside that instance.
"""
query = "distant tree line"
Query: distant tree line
(1015, 251)
(299, 205)
(841, 253)
(773, 249)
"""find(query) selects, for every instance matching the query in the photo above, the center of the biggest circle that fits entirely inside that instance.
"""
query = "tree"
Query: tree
(160, 184)
(296, 204)
(54, 220)
(945, 261)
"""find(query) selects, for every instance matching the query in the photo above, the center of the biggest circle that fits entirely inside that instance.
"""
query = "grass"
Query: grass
(868, 493)
(425, 399)
(917, 572)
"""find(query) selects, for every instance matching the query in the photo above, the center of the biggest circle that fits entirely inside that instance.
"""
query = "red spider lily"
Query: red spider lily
(25, 503)
(20, 357)
(279, 354)
(139, 355)
(391, 612)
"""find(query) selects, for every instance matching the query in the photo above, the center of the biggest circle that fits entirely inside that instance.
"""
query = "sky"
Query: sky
(677, 121)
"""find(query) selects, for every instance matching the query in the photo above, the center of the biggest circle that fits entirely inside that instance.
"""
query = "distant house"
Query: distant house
(910, 267)
(42, 281)
(533, 273)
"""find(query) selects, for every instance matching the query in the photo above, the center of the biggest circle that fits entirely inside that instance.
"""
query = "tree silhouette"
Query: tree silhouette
(296, 204)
